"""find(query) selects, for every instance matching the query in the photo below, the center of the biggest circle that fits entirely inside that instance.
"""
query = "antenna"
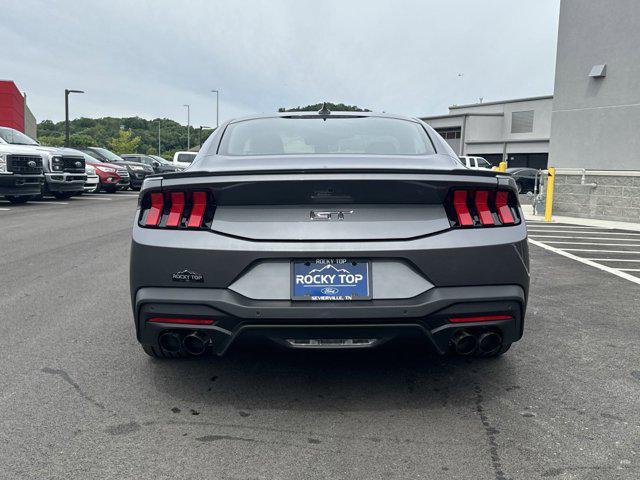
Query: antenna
(324, 110)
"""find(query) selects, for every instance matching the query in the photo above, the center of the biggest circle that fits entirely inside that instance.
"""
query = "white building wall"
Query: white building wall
(596, 120)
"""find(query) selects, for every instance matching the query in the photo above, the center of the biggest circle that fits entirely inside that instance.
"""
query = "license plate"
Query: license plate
(330, 279)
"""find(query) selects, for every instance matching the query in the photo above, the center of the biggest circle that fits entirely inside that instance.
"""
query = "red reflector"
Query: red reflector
(177, 206)
(504, 211)
(482, 318)
(187, 321)
(461, 208)
(155, 212)
(482, 196)
(197, 211)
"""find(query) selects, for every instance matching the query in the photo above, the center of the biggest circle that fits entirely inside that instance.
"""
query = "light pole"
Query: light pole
(217, 107)
(66, 114)
(159, 122)
(188, 125)
(200, 134)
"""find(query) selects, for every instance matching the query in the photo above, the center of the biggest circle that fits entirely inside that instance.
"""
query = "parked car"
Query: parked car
(92, 185)
(64, 169)
(159, 164)
(137, 171)
(525, 178)
(366, 230)
(111, 177)
(475, 163)
(184, 159)
(21, 171)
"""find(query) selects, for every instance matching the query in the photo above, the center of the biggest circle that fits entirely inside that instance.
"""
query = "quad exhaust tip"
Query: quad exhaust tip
(467, 343)
(170, 342)
(195, 343)
(464, 343)
(489, 343)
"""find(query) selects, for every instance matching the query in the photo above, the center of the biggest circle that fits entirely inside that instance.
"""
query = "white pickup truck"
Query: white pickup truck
(475, 163)
(64, 169)
(21, 172)
(183, 159)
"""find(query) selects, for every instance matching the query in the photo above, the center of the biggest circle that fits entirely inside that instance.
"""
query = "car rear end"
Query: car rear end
(356, 253)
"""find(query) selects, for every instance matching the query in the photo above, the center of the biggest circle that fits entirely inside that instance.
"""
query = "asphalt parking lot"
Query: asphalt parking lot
(79, 398)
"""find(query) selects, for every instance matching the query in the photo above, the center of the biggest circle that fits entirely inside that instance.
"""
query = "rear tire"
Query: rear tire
(18, 199)
(110, 189)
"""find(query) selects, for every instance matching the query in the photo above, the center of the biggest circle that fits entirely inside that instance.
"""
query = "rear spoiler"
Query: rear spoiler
(227, 173)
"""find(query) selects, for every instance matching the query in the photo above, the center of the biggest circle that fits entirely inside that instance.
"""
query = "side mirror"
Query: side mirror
(155, 164)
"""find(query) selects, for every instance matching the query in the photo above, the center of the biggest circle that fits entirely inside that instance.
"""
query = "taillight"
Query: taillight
(482, 208)
(180, 209)
(480, 318)
(182, 321)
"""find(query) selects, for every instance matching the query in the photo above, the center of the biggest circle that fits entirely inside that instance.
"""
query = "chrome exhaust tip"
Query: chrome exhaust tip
(464, 343)
(195, 343)
(489, 343)
(170, 342)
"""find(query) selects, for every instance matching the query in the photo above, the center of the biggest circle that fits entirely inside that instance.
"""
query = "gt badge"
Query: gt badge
(187, 276)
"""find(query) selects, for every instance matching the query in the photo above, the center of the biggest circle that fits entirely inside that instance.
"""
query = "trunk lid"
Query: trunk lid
(309, 206)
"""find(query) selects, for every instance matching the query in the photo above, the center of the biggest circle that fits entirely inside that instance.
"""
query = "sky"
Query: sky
(148, 58)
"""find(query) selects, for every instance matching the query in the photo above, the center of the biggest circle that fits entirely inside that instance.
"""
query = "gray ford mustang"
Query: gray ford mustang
(328, 230)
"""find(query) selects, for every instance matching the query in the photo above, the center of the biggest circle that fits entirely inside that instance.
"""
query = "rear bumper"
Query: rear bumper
(16, 184)
(424, 317)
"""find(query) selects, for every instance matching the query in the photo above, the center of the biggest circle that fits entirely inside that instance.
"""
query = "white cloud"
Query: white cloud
(148, 58)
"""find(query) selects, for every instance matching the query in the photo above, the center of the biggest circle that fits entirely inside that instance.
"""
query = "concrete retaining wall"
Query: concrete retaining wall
(615, 197)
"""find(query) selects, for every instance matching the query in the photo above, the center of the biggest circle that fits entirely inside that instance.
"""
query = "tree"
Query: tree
(51, 140)
(124, 142)
(337, 107)
(80, 140)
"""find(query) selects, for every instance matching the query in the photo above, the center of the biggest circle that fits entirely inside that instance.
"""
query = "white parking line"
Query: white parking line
(609, 239)
(555, 225)
(604, 268)
(5, 209)
(92, 198)
(599, 232)
(592, 250)
(596, 243)
(629, 269)
(613, 259)
(48, 203)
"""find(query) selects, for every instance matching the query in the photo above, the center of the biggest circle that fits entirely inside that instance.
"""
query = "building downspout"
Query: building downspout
(463, 134)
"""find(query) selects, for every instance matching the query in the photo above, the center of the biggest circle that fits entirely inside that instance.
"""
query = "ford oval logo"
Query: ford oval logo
(329, 290)
(78, 164)
(32, 164)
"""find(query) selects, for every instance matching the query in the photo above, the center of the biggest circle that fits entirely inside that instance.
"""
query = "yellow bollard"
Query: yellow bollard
(549, 203)
(502, 167)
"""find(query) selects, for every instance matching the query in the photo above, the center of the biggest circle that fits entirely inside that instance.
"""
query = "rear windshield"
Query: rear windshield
(350, 135)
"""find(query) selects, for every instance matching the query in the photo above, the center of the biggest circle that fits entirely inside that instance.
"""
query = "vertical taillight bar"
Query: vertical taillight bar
(482, 206)
(155, 212)
(502, 205)
(461, 208)
(177, 206)
(198, 209)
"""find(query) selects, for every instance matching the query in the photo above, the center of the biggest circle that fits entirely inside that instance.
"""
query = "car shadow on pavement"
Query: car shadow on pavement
(404, 377)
